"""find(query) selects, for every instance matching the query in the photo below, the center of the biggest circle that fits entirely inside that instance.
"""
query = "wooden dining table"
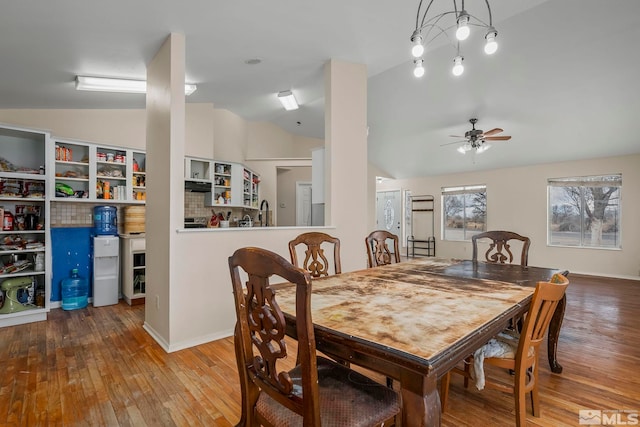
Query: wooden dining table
(413, 321)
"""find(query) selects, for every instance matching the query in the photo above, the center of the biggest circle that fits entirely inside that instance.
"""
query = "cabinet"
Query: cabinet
(71, 170)
(133, 268)
(250, 183)
(90, 172)
(196, 169)
(222, 184)
(24, 239)
(138, 176)
(422, 224)
(233, 185)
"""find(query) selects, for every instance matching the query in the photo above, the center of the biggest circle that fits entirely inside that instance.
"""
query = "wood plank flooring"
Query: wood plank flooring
(98, 367)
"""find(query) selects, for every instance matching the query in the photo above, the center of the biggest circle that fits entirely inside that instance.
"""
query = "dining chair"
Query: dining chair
(516, 352)
(378, 252)
(499, 248)
(315, 261)
(317, 391)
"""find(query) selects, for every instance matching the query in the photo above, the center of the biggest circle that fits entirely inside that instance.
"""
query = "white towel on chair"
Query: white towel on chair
(503, 346)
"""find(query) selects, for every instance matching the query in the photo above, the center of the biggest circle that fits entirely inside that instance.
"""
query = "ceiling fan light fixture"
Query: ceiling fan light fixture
(482, 148)
(458, 68)
(417, 49)
(418, 71)
(491, 46)
(463, 30)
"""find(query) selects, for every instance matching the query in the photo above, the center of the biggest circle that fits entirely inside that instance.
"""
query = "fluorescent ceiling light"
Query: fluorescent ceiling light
(288, 100)
(105, 84)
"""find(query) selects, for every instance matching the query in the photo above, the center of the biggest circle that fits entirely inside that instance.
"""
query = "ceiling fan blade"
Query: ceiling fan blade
(454, 142)
(498, 138)
(493, 131)
(456, 136)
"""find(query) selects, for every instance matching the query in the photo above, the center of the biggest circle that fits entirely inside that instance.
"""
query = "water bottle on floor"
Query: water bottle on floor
(75, 291)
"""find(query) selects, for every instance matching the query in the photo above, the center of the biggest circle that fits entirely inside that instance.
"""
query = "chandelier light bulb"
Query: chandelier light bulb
(483, 148)
(417, 49)
(458, 68)
(492, 46)
(461, 150)
(463, 30)
(418, 71)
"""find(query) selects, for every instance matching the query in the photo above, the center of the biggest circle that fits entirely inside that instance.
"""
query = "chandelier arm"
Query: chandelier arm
(490, 16)
(441, 31)
(433, 21)
(418, 14)
(422, 23)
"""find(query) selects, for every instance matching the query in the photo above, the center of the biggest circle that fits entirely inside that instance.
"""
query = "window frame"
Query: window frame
(461, 190)
(582, 182)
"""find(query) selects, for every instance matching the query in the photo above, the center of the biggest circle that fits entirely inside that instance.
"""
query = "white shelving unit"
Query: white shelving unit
(25, 260)
(133, 268)
(86, 172)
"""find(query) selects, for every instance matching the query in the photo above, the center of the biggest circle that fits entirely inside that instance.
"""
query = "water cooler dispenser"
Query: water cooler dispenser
(106, 254)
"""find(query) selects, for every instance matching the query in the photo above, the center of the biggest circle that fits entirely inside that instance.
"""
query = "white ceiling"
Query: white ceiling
(563, 82)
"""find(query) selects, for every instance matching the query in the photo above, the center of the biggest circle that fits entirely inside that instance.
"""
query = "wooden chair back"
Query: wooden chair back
(545, 300)
(499, 251)
(260, 333)
(315, 261)
(378, 252)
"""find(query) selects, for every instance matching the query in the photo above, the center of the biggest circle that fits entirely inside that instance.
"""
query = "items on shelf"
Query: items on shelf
(7, 166)
(21, 188)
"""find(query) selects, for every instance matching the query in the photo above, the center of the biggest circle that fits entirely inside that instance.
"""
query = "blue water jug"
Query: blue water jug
(75, 291)
(105, 221)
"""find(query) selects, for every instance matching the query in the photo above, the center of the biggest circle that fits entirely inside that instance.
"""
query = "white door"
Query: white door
(389, 211)
(303, 204)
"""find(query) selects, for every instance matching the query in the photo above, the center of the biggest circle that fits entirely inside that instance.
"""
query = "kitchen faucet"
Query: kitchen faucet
(264, 205)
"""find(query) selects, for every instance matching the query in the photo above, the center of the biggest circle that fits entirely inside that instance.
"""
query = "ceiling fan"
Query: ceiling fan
(476, 138)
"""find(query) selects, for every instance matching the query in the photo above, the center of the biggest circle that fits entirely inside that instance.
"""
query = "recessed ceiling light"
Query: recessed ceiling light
(253, 61)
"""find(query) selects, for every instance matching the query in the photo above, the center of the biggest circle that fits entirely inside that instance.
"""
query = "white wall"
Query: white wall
(517, 201)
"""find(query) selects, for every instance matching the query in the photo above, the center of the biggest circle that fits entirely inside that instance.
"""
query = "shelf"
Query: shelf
(21, 251)
(23, 176)
(68, 178)
(22, 199)
(72, 163)
(27, 272)
(21, 232)
(422, 246)
(111, 178)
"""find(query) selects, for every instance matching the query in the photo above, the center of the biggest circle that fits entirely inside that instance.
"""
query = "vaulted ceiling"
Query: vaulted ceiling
(563, 82)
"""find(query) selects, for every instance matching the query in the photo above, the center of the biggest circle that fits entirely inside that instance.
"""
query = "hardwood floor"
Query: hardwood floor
(98, 367)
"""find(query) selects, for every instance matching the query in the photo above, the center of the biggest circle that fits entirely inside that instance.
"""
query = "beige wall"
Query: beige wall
(230, 134)
(121, 128)
(517, 201)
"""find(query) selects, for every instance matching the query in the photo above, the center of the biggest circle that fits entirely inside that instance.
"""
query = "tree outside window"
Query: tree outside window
(585, 211)
(464, 211)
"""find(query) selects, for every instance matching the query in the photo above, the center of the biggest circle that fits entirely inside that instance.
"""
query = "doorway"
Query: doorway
(389, 212)
(303, 204)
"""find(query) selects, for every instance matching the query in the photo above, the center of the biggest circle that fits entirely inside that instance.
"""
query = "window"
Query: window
(464, 211)
(585, 211)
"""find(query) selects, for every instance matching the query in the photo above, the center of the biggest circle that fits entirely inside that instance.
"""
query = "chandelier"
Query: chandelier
(430, 28)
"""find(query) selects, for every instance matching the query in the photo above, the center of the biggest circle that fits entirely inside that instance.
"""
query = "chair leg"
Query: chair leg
(535, 399)
(444, 391)
(521, 400)
(467, 371)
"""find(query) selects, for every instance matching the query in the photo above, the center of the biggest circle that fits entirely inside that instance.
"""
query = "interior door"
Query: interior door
(303, 204)
(389, 211)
